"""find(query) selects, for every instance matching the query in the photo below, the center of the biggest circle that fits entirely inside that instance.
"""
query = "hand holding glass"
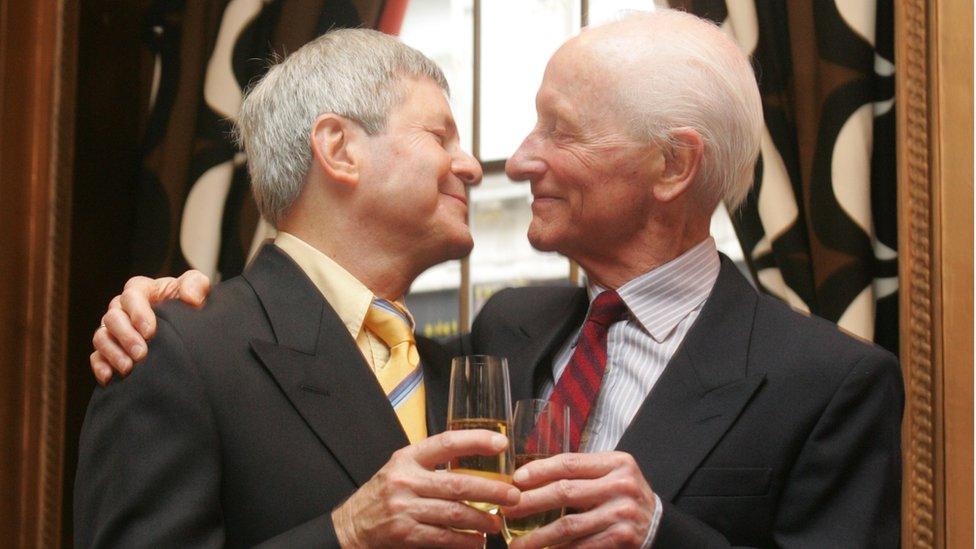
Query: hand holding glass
(480, 398)
(540, 430)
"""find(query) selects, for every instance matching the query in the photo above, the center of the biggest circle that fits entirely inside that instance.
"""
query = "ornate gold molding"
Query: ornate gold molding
(915, 270)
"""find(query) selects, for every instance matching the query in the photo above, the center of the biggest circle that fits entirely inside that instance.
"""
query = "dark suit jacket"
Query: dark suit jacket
(767, 428)
(250, 420)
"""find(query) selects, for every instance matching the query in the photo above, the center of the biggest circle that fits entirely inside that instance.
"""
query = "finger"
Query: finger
(451, 444)
(101, 369)
(575, 494)
(567, 530)
(622, 530)
(121, 331)
(570, 465)
(138, 297)
(616, 536)
(152, 288)
(454, 514)
(461, 487)
(193, 287)
(113, 354)
(423, 535)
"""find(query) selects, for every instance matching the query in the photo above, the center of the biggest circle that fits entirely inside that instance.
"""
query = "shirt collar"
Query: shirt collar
(660, 298)
(349, 297)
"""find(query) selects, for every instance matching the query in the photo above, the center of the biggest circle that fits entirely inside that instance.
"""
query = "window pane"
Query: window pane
(517, 39)
(502, 256)
(443, 31)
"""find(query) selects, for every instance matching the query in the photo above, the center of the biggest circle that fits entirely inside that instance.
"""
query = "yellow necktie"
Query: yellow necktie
(402, 377)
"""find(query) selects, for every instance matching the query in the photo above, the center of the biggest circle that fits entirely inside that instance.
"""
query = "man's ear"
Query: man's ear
(682, 160)
(336, 142)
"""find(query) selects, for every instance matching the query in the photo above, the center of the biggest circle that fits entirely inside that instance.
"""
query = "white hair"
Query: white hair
(688, 73)
(354, 73)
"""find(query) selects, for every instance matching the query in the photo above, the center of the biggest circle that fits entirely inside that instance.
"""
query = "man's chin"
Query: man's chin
(541, 241)
(459, 248)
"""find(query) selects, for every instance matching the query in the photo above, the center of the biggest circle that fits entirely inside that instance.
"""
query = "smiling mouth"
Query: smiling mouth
(462, 199)
(543, 203)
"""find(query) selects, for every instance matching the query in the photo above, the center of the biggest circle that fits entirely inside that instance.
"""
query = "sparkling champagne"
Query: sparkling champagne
(515, 527)
(491, 467)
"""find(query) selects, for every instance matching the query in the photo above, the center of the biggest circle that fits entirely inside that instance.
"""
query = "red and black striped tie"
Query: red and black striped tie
(579, 384)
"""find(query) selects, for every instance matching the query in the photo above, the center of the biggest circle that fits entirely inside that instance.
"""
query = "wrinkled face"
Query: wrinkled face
(589, 177)
(419, 173)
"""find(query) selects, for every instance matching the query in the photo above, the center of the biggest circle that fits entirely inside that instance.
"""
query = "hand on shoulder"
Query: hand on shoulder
(120, 341)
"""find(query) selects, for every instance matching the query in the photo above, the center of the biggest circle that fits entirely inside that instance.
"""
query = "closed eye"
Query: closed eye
(563, 129)
(440, 134)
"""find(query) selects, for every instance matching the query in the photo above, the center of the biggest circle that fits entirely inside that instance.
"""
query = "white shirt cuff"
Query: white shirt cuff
(655, 522)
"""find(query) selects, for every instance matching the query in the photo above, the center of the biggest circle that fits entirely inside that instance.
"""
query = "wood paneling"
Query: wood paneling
(35, 153)
(952, 90)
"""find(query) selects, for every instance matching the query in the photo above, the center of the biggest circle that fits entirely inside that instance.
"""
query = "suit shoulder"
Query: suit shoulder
(231, 316)
(518, 301)
(227, 301)
(791, 335)
(166, 370)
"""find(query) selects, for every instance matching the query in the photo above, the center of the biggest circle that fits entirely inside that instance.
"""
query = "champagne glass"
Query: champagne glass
(480, 398)
(540, 430)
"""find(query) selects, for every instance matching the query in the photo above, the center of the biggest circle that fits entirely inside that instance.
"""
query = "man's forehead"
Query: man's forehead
(552, 100)
(569, 95)
(424, 99)
(439, 113)
(576, 66)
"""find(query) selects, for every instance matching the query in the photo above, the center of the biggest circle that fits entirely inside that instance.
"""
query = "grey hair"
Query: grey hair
(354, 73)
(696, 77)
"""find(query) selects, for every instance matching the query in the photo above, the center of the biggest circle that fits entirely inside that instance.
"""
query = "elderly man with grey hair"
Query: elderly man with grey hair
(704, 414)
(294, 407)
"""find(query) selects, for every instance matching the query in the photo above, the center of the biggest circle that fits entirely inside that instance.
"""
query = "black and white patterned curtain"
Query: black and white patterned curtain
(194, 207)
(819, 228)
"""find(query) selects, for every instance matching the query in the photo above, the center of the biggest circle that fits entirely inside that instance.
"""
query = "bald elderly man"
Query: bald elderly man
(718, 416)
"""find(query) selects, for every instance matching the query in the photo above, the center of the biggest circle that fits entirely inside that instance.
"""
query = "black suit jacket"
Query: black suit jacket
(767, 428)
(249, 422)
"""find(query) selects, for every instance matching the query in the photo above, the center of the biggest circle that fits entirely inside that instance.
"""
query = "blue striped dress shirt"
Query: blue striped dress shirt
(664, 303)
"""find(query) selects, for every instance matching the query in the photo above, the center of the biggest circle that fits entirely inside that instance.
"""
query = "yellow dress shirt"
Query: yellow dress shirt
(347, 295)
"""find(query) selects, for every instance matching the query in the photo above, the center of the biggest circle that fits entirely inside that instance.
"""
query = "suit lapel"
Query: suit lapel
(701, 392)
(318, 366)
(540, 337)
(437, 375)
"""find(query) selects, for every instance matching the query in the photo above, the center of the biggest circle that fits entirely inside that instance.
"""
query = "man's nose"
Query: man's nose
(467, 169)
(524, 164)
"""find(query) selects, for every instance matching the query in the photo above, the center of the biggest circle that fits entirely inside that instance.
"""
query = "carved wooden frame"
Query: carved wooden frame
(915, 232)
(934, 90)
(916, 256)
